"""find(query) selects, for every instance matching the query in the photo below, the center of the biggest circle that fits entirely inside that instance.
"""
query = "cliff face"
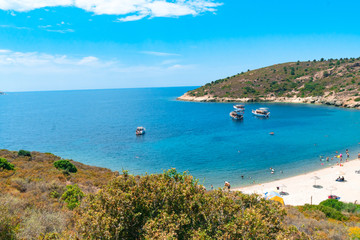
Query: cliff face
(332, 82)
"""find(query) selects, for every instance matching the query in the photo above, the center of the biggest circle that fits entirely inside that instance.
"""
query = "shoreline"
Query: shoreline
(330, 101)
(300, 188)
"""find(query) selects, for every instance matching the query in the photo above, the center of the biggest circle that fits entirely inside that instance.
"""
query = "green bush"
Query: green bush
(65, 165)
(357, 99)
(4, 164)
(333, 203)
(328, 211)
(24, 153)
(173, 205)
(72, 196)
(341, 206)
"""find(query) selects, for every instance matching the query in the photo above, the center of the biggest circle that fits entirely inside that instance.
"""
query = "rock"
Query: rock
(338, 103)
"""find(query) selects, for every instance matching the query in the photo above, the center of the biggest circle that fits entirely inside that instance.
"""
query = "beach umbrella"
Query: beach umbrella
(315, 179)
(274, 196)
(282, 187)
(331, 189)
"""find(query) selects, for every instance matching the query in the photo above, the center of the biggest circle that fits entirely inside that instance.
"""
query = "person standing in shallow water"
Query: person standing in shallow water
(227, 186)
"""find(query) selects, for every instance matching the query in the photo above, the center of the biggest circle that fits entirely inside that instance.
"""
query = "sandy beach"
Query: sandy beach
(300, 188)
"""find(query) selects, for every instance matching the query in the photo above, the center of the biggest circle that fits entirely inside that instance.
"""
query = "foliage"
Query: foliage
(328, 211)
(8, 224)
(341, 206)
(42, 223)
(173, 206)
(313, 89)
(65, 165)
(302, 79)
(354, 232)
(4, 164)
(24, 153)
(72, 196)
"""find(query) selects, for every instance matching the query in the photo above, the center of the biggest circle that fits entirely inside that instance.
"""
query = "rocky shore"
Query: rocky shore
(338, 101)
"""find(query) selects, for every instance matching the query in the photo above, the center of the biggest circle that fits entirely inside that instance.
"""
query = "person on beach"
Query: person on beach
(227, 185)
(358, 155)
(212, 187)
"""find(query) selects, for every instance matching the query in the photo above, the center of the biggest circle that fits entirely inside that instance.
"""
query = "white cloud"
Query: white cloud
(131, 18)
(131, 10)
(88, 60)
(13, 26)
(24, 71)
(34, 59)
(61, 30)
(160, 54)
(45, 26)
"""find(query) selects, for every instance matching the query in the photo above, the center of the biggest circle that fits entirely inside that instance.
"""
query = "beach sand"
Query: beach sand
(301, 191)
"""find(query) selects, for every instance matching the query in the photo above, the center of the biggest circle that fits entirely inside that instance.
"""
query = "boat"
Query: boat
(239, 107)
(140, 131)
(261, 112)
(236, 115)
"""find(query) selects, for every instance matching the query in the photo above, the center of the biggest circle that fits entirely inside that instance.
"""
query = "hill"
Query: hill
(45, 197)
(333, 82)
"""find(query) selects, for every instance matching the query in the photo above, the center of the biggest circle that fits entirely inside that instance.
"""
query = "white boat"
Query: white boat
(140, 131)
(239, 107)
(236, 115)
(261, 112)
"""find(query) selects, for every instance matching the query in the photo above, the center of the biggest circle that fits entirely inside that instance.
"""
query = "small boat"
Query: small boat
(261, 112)
(140, 131)
(239, 107)
(236, 115)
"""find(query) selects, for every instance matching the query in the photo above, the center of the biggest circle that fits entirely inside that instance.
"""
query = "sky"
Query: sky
(100, 44)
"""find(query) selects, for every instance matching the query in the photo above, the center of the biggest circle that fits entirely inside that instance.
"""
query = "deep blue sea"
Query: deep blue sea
(97, 127)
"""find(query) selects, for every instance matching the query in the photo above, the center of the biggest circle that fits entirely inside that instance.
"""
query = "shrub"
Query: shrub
(65, 165)
(341, 206)
(38, 224)
(328, 211)
(333, 203)
(173, 206)
(357, 99)
(354, 233)
(24, 153)
(4, 164)
(72, 196)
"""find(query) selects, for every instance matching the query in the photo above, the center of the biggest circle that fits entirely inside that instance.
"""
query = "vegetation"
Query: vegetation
(65, 165)
(24, 153)
(174, 206)
(72, 196)
(37, 201)
(330, 77)
(5, 165)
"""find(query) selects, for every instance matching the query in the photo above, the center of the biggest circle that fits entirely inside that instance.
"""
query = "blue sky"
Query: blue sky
(92, 44)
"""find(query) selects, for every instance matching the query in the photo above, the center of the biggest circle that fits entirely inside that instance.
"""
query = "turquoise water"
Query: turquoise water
(97, 127)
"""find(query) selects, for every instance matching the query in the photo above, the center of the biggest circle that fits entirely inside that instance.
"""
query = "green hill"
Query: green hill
(332, 81)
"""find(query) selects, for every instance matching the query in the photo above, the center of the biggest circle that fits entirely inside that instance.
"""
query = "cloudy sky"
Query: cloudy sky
(92, 44)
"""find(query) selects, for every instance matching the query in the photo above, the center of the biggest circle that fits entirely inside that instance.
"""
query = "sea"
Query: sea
(97, 127)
